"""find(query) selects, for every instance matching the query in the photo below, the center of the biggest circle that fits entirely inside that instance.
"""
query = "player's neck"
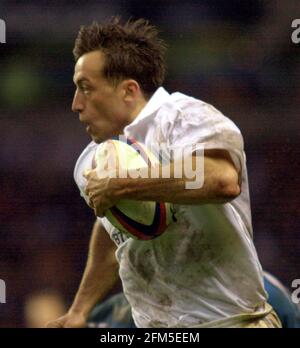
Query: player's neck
(139, 106)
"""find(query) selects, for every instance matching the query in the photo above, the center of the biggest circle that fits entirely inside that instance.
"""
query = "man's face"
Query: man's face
(100, 104)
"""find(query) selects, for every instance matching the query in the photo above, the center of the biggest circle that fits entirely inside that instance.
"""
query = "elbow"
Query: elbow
(231, 192)
(228, 187)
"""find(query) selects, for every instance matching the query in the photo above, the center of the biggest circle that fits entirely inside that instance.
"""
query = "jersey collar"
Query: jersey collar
(155, 102)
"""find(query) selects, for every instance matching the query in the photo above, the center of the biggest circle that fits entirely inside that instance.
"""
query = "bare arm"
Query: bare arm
(100, 275)
(220, 185)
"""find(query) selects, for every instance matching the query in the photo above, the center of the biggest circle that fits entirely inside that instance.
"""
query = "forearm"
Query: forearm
(215, 181)
(218, 186)
(167, 190)
(100, 275)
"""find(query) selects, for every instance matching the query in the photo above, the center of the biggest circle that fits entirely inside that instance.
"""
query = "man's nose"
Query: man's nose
(77, 104)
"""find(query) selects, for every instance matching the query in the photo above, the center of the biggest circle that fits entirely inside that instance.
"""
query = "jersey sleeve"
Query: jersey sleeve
(202, 126)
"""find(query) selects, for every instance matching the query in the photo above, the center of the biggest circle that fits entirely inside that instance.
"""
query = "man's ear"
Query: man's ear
(131, 90)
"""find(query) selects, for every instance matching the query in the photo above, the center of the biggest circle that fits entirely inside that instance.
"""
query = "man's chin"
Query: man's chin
(101, 139)
(96, 140)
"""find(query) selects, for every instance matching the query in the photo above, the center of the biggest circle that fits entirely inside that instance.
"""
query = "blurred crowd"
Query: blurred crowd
(235, 55)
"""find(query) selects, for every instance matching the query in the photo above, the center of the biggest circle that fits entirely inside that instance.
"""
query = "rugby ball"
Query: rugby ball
(143, 220)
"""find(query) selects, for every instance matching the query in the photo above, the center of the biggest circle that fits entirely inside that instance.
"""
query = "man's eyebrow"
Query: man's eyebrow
(80, 81)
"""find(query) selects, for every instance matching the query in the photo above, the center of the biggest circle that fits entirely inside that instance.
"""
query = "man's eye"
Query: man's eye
(85, 89)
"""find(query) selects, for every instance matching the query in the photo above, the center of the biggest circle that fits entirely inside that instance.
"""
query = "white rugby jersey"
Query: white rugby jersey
(205, 266)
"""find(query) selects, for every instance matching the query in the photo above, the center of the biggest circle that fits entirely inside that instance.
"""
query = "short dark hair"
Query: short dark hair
(132, 50)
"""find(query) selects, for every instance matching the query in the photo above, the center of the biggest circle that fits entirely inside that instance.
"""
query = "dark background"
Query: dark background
(236, 55)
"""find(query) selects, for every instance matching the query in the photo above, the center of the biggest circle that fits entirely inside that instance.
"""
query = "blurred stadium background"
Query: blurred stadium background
(236, 55)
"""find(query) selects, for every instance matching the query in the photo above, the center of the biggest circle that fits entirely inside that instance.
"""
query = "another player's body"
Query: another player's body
(204, 270)
(281, 300)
